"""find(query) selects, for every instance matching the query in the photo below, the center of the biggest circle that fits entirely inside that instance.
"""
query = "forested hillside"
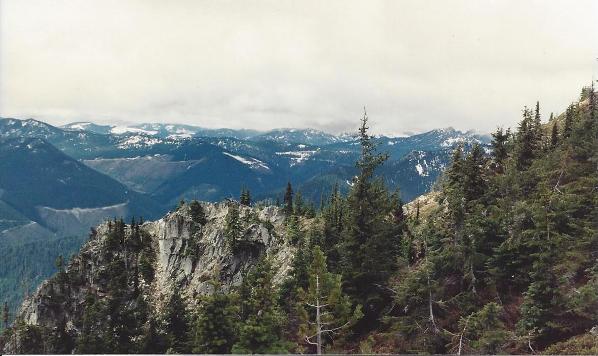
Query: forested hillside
(56, 183)
(504, 261)
(507, 261)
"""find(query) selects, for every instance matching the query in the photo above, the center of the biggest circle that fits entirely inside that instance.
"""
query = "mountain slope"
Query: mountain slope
(178, 254)
(35, 175)
(48, 203)
(171, 162)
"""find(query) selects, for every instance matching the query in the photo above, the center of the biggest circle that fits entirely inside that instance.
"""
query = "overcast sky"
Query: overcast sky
(416, 65)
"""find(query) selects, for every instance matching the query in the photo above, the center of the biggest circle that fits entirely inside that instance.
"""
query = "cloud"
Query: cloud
(416, 65)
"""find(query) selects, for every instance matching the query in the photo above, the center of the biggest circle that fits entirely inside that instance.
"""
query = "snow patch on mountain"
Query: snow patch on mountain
(138, 141)
(125, 129)
(452, 141)
(251, 162)
(420, 170)
(426, 162)
(297, 157)
(179, 135)
(81, 126)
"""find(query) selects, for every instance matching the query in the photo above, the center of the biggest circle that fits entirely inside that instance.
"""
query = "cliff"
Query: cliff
(181, 251)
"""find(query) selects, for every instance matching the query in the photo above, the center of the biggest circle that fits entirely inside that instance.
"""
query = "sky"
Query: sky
(415, 65)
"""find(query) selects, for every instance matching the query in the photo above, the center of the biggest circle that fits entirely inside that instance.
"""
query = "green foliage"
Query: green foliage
(176, 324)
(245, 198)
(233, 229)
(93, 337)
(540, 303)
(529, 138)
(370, 244)
(300, 207)
(500, 148)
(31, 339)
(324, 288)
(295, 282)
(19, 278)
(334, 215)
(146, 265)
(483, 331)
(261, 318)
(216, 327)
(554, 135)
(288, 200)
(197, 213)
(294, 232)
(152, 339)
(511, 247)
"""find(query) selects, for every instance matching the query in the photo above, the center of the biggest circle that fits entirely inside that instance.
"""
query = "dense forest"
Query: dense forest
(503, 261)
(15, 253)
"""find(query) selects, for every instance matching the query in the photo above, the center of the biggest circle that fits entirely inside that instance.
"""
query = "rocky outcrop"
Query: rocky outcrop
(156, 257)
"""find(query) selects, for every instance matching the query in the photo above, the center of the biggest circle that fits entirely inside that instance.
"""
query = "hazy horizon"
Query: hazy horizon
(263, 65)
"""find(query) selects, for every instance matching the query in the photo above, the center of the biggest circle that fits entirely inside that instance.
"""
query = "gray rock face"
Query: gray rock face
(185, 255)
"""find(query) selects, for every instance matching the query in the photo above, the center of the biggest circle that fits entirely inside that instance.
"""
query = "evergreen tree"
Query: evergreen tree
(568, 125)
(398, 213)
(324, 308)
(291, 291)
(152, 341)
(297, 277)
(245, 198)
(176, 323)
(293, 230)
(554, 136)
(233, 229)
(454, 190)
(288, 200)
(309, 210)
(334, 216)
(197, 213)
(260, 316)
(474, 180)
(92, 338)
(540, 302)
(299, 206)
(537, 126)
(499, 147)
(526, 141)
(215, 328)
(58, 340)
(482, 332)
(369, 242)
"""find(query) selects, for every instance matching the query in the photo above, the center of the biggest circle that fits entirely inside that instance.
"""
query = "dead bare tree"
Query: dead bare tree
(319, 323)
(461, 335)
(430, 299)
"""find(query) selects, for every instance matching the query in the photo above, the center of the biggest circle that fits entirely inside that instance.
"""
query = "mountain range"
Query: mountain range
(57, 182)
(78, 174)
(498, 258)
